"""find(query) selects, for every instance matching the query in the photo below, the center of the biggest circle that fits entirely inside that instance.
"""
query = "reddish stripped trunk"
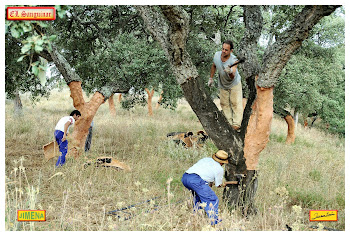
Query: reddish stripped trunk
(88, 111)
(149, 101)
(258, 130)
(291, 129)
(112, 106)
(170, 26)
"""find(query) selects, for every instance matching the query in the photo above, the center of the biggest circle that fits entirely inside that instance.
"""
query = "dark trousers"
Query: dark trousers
(63, 147)
(202, 193)
(88, 140)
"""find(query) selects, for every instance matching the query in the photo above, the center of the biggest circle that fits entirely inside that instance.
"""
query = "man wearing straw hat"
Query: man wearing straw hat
(200, 177)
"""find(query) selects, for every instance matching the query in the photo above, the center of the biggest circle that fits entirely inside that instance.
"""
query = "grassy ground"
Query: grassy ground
(293, 179)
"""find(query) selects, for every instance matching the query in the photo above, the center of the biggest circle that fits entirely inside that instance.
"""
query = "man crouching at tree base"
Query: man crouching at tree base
(61, 132)
(199, 179)
(229, 84)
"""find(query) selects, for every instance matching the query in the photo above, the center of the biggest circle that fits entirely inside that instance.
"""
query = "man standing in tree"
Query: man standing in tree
(229, 84)
(61, 132)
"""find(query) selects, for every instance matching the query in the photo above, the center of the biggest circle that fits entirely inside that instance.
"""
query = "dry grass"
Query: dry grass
(309, 174)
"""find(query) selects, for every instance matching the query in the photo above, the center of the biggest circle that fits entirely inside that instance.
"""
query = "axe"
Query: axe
(237, 62)
(239, 177)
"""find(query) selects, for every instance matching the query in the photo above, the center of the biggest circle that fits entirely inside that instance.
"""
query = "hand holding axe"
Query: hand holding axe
(237, 62)
(229, 69)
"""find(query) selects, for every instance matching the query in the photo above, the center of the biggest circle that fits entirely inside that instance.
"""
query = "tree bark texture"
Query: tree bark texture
(259, 126)
(149, 101)
(88, 111)
(290, 40)
(291, 129)
(296, 117)
(111, 106)
(171, 36)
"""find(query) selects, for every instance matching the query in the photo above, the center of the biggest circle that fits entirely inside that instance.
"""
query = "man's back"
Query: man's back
(208, 169)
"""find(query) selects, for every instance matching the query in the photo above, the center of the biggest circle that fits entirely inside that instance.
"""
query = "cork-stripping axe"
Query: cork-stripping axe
(236, 63)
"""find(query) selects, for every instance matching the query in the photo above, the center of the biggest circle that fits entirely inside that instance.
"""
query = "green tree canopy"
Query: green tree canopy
(313, 81)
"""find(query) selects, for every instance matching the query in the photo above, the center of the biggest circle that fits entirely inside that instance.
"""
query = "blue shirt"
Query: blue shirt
(209, 170)
(225, 82)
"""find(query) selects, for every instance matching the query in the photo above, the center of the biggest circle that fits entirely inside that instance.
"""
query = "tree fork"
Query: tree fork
(255, 140)
(88, 111)
(213, 120)
(235, 195)
(224, 137)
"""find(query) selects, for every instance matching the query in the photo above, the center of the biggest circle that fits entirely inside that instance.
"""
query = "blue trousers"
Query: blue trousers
(63, 147)
(202, 193)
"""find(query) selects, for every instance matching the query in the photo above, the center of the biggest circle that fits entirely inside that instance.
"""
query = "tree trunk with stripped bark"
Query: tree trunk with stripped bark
(169, 25)
(88, 109)
(111, 106)
(149, 101)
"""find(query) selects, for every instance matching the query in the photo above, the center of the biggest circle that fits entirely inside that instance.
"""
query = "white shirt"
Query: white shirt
(63, 121)
(209, 170)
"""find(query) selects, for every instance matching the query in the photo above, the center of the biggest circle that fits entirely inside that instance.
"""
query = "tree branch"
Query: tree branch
(248, 47)
(63, 66)
(228, 16)
(170, 29)
(281, 51)
(253, 22)
(46, 55)
(70, 75)
(156, 24)
(101, 36)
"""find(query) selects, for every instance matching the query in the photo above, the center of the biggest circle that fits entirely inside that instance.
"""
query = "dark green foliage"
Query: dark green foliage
(314, 78)
(18, 75)
(25, 71)
(114, 49)
(109, 45)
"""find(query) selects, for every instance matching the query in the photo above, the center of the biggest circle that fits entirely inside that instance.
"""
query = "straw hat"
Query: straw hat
(221, 157)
